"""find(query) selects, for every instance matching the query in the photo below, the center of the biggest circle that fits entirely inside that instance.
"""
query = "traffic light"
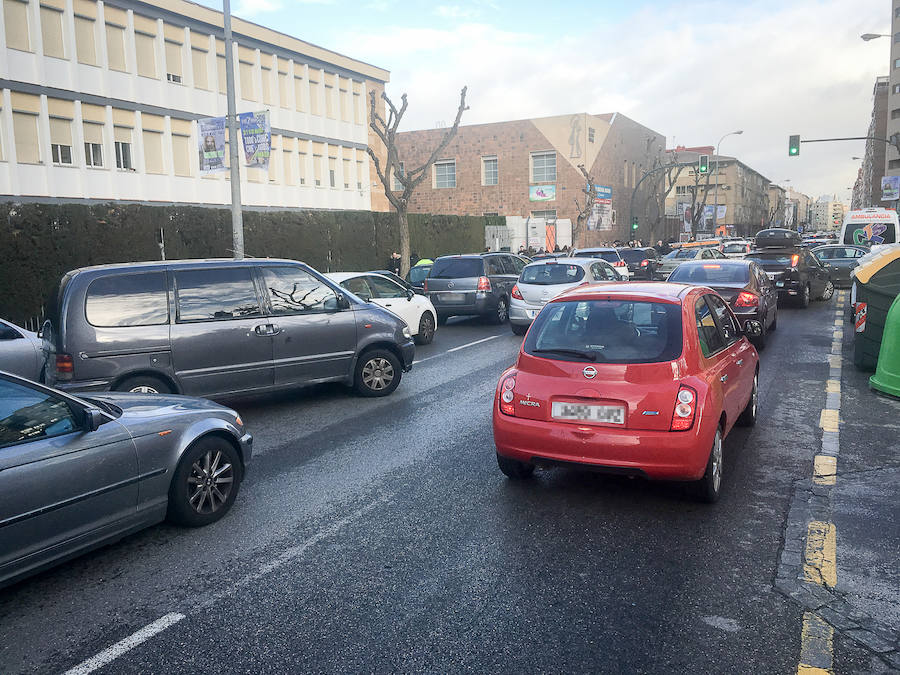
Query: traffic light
(634, 223)
(703, 164)
(794, 145)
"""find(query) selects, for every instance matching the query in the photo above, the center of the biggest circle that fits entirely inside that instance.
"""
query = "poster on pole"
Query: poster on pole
(256, 134)
(601, 217)
(212, 144)
(890, 188)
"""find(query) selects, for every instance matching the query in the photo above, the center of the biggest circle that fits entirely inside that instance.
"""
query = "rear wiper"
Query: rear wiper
(590, 356)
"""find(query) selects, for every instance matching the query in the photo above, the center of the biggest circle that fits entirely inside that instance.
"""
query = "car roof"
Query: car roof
(343, 276)
(188, 262)
(656, 291)
(598, 249)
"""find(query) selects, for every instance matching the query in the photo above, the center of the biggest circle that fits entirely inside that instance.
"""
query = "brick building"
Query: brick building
(530, 168)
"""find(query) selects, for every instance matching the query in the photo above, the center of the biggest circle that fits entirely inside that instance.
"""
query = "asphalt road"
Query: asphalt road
(379, 535)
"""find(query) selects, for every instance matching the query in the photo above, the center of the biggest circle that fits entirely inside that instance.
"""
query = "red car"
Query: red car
(641, 379)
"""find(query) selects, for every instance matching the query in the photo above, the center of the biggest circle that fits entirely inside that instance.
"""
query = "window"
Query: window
(396, 185)
(344, 95)
(25, 131)
(284, 84)
(293, 290)
(145, 47)
(128, 300)
(317, 169)
(346, 174)
(123, 148)
(590, 134)
(359, 173)
(897, 61)
(457, 268)
(329, 99)
(385, 288)
(684, 189)
(708, 333)
(298, 93)
(287, 158)
(85, 41)
(153, 152)
(897, 13)
(896, 89)
(181, 154)
(28, 414)
(174, 70)
(894, 164)
(547, 215)
(601, 271)
(489, 171)
(93, 144)
(358, 287)
(215, 294)
(220, 74)
(549, 275)
(248, 92)
(726, 322)
(61, 140)
(445, 174)
(543, 167)
(332, 162)
(357, 108)
(266, 82)
(199, 60)
(301, 166)
(314, 93)
(896, 38)
(52, 32)
(15, 18)
(115, 47)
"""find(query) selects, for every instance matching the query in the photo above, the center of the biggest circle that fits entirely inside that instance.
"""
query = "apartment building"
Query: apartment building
(529, 168)
(827, 213)
(100, 101)
(892, 158)
(867, 189)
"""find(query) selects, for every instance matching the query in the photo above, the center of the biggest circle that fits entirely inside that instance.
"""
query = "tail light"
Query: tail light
(685, 409)
(65, 367)
(748, 248)
(425, 286)
(746, 299)
(619, 263)
(484, 284)
(795, 260)
(507, 407)
(516, 293)
(644, 263)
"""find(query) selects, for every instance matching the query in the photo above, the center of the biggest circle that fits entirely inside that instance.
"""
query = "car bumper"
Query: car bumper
(246, 443)
(482, 304)
(658, 455)
(523, 313)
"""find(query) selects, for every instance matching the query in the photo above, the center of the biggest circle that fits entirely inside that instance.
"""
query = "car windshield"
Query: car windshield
(633, 255)
(683, 254)
(551, 273)
(418, 273)
(734, 248)
(711, 273)
(867, 234)
(456, 268)
(607, 331)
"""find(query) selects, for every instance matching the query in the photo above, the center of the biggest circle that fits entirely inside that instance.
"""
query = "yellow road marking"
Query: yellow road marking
(824, 470)
(839, 322)
(821, 554)
(837, 335)
(834, 361)
(829, 420)
(816, 646)
(832, 386)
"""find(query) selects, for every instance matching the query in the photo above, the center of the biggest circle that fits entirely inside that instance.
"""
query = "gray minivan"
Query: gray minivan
(473, 285)
(220, 327)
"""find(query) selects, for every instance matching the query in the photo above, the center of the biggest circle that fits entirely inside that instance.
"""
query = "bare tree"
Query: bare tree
(584, 209)
(659, 190)
(698, 205)
(776, 212)
(386, 130)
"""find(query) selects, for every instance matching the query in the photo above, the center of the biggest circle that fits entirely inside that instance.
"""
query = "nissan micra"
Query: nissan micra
(641, 379)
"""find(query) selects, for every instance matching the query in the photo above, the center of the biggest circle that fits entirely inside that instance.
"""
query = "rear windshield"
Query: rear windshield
(607, 331)
(417, 274)
(711, 273)
(456, 268)
(683, 253)
(868, 234)
(551, 273)
(633, 256)
(770, 258)
(734, 248)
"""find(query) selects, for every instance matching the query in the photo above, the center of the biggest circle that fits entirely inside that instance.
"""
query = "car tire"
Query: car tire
(748, 415)
(206, 482)
(709, 487)
(803, 298)
(828, 291)
(774, 325)
(144, 384)
(513, 468)
(760, 342)
(518, 329)
(426, 329)
(377, 373)
(501, 314)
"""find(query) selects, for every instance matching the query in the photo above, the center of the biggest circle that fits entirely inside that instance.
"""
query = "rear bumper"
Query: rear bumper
(83, 385)
(483, 304)
(659, 455)
(522, 313)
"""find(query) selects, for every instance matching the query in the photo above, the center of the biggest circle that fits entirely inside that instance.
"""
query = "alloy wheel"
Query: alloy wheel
(377, 374)
(426, 328)
(502, 312)
(143, 389)
(210, 482)
(755, 394)
(717, 462)
(829, 291)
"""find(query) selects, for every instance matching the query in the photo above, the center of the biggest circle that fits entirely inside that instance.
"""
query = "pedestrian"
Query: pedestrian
(521, 249)
(394, 264)
(487, 249)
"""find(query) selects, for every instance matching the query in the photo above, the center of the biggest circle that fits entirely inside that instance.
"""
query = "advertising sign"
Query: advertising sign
(859, 316)
(257, 137)
(890, 188)
(212, 144)
(542, 193)
(601, 217)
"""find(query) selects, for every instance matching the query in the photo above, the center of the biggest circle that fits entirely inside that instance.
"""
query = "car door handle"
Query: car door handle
(724, 378)
(267, 330)
(740, 362)
(275, 328)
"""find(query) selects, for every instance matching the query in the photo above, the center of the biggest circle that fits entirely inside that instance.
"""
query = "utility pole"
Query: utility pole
(237, 219)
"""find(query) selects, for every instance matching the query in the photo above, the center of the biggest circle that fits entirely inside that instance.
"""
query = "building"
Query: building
(827, 213)
(892, 157)
(801, 204)
(100, 101)
(742, 192)
(867, 189)
(529, 168)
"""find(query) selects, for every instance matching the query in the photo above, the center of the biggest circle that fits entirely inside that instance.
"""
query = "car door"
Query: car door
(818, 275)
(221, 340)
(314, 338)
(61, 486)
(395, 298)
(735, 361)
(501, 273)
(18, 354)
(602, 271)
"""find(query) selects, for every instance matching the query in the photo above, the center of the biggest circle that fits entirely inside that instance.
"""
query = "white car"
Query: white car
(416, 310)
(610, 255)
(22, 352)
(736, 248)
(543, 280)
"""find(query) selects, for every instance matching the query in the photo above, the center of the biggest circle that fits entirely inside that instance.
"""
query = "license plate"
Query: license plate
(532, 313)
(453, 297)
(772, 275)
(779, 284)
(608, 414)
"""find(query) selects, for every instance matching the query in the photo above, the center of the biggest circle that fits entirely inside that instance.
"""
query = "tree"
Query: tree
(386, 130)
(698, 206)
(658, 192)
(775, 215)
(585, 209)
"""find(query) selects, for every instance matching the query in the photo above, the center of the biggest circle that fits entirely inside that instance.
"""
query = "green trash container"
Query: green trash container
(876, 282)
(887, 377)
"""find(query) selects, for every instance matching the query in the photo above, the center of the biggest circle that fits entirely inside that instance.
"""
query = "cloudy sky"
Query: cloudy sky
(692, 70)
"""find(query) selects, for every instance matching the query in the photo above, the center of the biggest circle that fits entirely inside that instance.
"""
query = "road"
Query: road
(379, 535)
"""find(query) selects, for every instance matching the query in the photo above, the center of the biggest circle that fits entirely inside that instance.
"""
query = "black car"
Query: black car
(842, 259)
(417, 275)
(796, 273)
(742, 284)
(473, 285)
(641, 262)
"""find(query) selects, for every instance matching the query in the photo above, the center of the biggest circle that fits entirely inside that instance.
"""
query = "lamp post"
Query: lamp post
(716, 192)
(872, 36)
(237, 218)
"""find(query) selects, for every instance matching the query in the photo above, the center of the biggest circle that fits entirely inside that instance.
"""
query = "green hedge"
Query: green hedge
(40, 242)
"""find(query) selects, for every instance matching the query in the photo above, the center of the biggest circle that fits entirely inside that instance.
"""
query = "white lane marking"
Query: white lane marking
(110, 654)
(456, 349)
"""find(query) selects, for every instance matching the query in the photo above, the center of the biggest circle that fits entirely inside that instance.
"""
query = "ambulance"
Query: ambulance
(870, 227)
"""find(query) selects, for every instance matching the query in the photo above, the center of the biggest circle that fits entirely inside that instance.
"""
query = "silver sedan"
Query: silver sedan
(22, 352)
(79, 472)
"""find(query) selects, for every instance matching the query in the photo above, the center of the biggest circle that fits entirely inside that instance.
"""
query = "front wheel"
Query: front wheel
(518, 329)
(513, 468)
(828, 291)
(205, 483)
(803, 298)
(377, 373)
(710, 486)
(426, 329)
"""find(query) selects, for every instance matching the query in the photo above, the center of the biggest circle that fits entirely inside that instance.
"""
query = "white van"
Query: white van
(870, 227)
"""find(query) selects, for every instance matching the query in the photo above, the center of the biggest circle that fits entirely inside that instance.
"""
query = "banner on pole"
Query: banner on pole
(256, 134)
(212, 144)
(890, 188)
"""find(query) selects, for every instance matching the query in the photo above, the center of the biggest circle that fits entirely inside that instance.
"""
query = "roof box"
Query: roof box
(777, 237)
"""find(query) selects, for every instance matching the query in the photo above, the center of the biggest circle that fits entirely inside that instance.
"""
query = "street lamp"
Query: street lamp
(716, 192)
(872, 36)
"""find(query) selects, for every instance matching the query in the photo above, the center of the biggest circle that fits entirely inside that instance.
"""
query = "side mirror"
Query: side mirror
(343, 302)
(752, 328)
(94, 419)
(410, 294)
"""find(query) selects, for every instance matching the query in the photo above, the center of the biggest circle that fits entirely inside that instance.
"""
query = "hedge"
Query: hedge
(40, 242)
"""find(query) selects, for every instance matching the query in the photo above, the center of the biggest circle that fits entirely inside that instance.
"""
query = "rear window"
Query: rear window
(607, 331)
(127, 300)
(711, 273)
(456, 268)
(633, 256)
(417, 274)
(683, 253)
(546, 275)
(734, 248)
(770, 258)
(867, 234)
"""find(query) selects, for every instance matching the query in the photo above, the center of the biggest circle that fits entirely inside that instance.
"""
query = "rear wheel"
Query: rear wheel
(501, 314)
(760, 342)
(748, 416)
(144, 384)
(377, 373)
(205, 483)
(710, 486)
(513, 468)
(426, 329)
(518, 329)
(828, 292)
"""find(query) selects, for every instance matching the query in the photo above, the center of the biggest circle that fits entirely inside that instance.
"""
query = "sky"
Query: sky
(691, 70)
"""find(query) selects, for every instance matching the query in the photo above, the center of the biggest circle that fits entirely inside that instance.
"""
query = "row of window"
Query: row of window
(314, 91)
(542, 170)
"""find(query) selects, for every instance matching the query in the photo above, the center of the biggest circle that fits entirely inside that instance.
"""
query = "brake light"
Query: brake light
(795, 260)
(516, 293)
(484, 284)
(65, 367)
(685, 409)
(619, 263)
(712, 267)
(425, 286)
(507, 407)
(745, 299)
(644, 263)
